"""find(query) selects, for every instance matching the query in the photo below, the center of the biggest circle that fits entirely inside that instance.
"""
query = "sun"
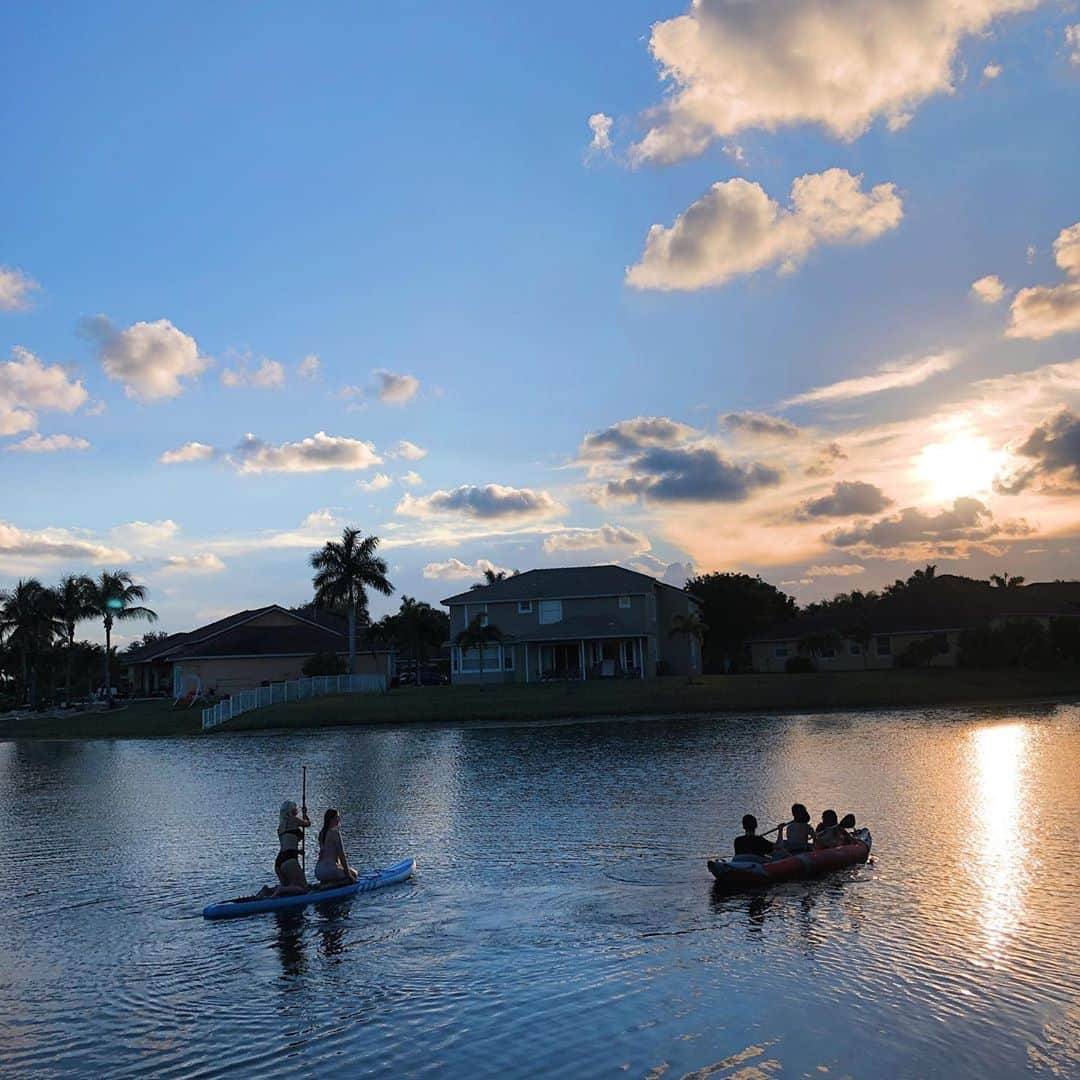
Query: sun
(963, 464)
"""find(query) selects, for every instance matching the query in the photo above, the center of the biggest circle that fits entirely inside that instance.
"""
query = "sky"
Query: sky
(788, 287)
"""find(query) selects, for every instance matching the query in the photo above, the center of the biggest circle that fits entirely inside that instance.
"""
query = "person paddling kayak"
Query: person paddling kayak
(333, 865)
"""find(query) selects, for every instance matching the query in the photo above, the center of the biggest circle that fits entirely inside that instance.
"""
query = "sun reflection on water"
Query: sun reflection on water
(1000, 834)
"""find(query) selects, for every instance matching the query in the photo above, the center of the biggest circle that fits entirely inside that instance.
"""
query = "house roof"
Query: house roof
(561, 583)
(313, 631)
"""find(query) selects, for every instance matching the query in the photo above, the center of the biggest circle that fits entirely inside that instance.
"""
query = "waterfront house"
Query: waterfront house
(579, 622)
(244, 651)
(940, 613)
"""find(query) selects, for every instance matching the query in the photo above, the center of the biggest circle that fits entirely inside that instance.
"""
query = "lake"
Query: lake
(562, 921)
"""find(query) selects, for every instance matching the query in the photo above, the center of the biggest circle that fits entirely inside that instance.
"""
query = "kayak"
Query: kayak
(252, 905)
(749, 871)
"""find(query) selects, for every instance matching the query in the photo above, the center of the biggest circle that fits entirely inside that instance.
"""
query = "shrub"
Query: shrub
(799, 665)
(1021, 642)
(324, 663)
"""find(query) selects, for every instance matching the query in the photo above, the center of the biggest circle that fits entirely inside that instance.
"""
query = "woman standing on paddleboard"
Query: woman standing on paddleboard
(291, 826)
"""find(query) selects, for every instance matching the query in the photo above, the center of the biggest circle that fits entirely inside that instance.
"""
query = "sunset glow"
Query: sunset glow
(962, 465)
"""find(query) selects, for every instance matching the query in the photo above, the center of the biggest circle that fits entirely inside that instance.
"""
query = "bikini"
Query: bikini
(287, 854)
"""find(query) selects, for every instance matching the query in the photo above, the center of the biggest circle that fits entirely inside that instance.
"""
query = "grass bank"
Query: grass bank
(712, 694)
(559, 701)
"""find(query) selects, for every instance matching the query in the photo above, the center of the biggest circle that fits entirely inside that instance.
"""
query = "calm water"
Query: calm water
(561, 921)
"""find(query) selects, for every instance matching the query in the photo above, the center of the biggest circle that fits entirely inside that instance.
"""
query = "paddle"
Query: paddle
(303, 812)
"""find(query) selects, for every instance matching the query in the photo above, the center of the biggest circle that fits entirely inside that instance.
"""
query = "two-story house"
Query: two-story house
(576, 622)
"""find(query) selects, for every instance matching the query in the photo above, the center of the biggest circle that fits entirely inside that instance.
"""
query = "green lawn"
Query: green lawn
(555, 701)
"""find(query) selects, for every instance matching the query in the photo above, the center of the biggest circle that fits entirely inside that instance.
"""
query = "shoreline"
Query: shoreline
(517, 704)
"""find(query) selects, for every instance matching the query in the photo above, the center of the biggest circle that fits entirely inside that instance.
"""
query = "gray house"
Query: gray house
(578, 622)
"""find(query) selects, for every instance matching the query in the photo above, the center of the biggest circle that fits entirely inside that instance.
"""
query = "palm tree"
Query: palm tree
(28, 621)
(113, 597)
(692, 628)
(72, 607)
(491, 577)
(343, 572)
(1005, 581)
(476, 635)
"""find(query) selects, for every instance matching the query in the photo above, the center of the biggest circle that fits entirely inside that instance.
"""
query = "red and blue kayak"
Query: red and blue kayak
(749, 871)
(257, 905)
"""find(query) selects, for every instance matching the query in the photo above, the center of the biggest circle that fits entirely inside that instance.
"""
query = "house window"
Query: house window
(883, 645)
(828, 653)
(470, 659)
(524, 607)
(550, 611)
(781, 652)
(476, 611)
(508, 659)
(854, 648)
(624, 601)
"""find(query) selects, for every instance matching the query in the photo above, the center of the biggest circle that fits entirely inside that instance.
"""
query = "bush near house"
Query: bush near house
(799, 665)
(324, 663)
(1020, 643)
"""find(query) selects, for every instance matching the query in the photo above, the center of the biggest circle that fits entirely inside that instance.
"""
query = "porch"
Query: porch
(559, 660)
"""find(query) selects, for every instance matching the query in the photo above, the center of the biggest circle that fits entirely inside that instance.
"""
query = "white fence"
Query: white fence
(293, 690)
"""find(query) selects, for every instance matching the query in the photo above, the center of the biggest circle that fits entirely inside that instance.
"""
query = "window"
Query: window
(854, 648)
(476, 611)
(470, 659)
(624, 601)
(828, 653)
(883, 645)
(550, 611)
(508, 658)
(780, 652)
(524, 607)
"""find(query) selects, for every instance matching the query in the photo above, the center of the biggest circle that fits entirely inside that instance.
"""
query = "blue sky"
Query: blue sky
(410, 191)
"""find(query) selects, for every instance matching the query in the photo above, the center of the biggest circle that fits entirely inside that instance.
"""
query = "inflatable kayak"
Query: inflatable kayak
(253, 905)
(749, 871)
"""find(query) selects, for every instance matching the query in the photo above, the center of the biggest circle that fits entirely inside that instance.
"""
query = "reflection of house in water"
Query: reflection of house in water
(578, 622)
(933, 619)
(246, 650)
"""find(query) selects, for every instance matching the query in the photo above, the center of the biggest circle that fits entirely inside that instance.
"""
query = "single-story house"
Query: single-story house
(941, 613)
(578, 622)
(246, 650)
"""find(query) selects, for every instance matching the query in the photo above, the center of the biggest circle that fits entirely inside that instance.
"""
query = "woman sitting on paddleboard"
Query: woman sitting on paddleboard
(291, 826)
(333, 865)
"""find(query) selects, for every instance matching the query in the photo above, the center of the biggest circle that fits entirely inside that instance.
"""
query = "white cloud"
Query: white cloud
(206, 563)
(456, 570)
(26, 385)
(269, 375)
(892, 376)
(1045, 310)
(379, 482)
(22, 544)
(319, 519)
(992, 71)
(606, 537)
(989, 289)
(393, 389)
(15, 289)
(600, 126)
(406, 450)
(1072, 40)
(482, 502)
(190, 451)
(842, 570)
(411, 478)
(48, 444)
(309, 367)
(736, 229)
(146, 533)
(317, 453)
(840, 64)
(149, 358)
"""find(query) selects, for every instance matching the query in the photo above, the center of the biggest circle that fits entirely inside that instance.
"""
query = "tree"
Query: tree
(28, 620)
(151, 637)
(476, 635)
(689, 627)
(491, 577)
(323, 663)
(113, 598)
(344, 571)
(861, 632)
(735, 607)
(419, 627)
(73, 606)
(1004, 581)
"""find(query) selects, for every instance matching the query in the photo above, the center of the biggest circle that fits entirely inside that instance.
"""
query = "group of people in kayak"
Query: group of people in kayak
(332, 867)
(795, 837)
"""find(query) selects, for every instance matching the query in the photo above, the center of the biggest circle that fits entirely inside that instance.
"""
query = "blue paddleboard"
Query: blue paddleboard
(249, 905)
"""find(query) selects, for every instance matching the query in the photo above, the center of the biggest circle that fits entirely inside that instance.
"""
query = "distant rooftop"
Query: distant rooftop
(562, 582)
